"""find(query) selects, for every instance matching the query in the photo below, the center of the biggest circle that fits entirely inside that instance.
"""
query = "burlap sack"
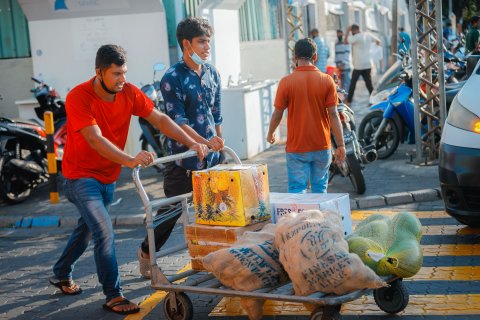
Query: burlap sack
(315, 255)
(250, 264)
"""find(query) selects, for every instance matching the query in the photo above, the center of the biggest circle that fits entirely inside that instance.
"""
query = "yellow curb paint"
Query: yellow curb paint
(454, 304)
(451, 250)
(152, 301)
(362, 214)
(449, 230)
(462, 273)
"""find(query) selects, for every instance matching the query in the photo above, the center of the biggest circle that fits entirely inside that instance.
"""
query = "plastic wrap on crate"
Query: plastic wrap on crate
(231, 194)
(284, 203)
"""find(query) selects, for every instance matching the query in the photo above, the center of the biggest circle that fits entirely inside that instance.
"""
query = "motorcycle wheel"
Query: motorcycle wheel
(356, 174)
(13, 188)
(389, 139)
(146, 146)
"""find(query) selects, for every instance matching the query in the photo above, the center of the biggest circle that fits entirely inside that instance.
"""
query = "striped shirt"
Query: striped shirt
(342, 55)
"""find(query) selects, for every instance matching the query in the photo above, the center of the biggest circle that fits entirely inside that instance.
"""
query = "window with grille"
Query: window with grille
(14, 37)
(260, 20)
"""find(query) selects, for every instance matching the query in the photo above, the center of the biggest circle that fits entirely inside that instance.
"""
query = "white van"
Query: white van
(459, 165)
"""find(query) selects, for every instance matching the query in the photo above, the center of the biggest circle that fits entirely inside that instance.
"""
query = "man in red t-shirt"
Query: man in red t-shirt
(311, 99)
(98, 118)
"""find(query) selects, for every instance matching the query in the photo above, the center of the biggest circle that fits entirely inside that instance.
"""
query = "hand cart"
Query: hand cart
(177, 305)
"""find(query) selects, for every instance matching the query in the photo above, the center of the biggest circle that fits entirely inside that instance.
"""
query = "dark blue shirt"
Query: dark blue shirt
(193, 100)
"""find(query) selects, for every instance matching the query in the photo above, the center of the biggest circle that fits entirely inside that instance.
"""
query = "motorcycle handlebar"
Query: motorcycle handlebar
(36, 80)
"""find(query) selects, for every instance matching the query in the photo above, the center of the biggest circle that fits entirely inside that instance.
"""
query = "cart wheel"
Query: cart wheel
(183, 309)
(392, 299)
(326, 313)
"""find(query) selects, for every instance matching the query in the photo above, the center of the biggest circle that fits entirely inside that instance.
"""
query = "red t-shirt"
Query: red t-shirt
(85, 108)
(307, 93)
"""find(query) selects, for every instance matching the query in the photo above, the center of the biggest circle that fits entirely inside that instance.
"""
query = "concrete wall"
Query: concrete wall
(15, 84)
(263, 59)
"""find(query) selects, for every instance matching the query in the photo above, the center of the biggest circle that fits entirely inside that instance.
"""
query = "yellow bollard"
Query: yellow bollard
(52, 161)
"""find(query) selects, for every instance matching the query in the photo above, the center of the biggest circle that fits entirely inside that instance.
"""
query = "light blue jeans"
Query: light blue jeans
(92, 199)
(305, 166)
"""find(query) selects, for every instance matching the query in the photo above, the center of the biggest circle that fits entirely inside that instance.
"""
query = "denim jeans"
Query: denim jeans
(305, 166)
(92, 199)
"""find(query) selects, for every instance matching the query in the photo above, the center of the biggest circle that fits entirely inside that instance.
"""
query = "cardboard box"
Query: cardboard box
(284, 203)
(203, 239)
(231, 195)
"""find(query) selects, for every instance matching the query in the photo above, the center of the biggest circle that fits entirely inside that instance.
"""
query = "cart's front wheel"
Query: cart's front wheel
(326, 313)
(181, 310)
(392, 299)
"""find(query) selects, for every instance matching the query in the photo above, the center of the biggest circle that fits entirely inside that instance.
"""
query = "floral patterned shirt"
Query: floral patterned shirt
(193, 100)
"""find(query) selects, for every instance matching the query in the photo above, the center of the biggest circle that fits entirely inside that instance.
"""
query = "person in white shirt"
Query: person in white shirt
(361, 58)
(342, 60)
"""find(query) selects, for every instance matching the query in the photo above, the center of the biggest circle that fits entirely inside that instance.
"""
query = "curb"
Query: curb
(139, 219)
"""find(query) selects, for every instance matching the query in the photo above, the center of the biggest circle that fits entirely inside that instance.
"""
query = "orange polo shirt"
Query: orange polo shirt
(85, 108)
(307, 93)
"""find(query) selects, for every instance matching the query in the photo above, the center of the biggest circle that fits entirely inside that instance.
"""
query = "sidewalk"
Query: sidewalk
(389, 182)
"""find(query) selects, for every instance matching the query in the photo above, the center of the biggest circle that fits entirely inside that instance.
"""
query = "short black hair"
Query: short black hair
(475, 19)
(339, 30)
(305, 49)
(401, 29)
(193, 27)
(108, 54)
(355, 27)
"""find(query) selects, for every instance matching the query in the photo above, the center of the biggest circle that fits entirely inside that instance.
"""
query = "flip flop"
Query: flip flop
(65, 283)
(120, 303)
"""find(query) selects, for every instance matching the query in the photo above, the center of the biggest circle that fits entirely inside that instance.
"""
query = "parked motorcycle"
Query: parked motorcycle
(49, 100)
(151, 138)
(357, 153)
(23, 161)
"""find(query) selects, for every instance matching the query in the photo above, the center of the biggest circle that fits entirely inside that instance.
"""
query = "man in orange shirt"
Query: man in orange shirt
(311, 99)
(98, 118)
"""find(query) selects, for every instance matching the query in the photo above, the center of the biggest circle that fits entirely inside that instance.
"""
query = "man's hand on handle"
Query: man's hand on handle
(216, 143)
(143, 158)
(201, 149)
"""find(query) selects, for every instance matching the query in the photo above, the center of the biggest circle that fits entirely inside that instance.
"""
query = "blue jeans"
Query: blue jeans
(92, 199)
(305, 166)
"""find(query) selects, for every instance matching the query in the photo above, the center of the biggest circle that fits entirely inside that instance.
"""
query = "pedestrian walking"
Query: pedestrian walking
(311, 99)
(342, 59)
(323, 51)
(473, 36)
(98, 118)
(361, 58)
(404, 40)
(191, 91)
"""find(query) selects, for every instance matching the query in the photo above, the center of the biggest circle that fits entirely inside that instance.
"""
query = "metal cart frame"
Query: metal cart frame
(177, 305)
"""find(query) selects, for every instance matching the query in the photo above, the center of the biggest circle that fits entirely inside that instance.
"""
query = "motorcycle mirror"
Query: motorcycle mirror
(158, 67)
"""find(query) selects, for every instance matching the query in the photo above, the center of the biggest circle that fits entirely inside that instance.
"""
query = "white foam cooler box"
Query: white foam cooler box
(284, 203)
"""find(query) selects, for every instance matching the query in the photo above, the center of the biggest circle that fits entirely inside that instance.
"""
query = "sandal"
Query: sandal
(120, 303)
(66, 283)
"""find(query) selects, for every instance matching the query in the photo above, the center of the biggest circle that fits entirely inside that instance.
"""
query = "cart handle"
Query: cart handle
(136, 173)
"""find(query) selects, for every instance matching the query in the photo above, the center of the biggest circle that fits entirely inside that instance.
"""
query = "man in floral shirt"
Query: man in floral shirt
(191, 91)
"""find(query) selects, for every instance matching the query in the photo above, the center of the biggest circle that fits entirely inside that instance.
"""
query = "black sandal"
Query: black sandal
(65, 283)
(121, 303)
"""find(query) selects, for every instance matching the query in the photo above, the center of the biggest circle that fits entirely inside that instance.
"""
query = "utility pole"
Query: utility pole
(394, 44)
(428, 89)
(293, 27)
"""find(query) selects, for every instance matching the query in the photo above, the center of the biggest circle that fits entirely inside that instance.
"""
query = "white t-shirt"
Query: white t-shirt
(361, 44)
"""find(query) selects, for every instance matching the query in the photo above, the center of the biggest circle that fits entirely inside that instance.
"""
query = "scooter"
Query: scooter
(23, 161)
(49, 100)
(391, 121)
(357, 153)
(151, 138)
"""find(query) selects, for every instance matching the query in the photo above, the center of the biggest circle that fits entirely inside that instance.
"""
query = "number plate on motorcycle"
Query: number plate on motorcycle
(347, 137)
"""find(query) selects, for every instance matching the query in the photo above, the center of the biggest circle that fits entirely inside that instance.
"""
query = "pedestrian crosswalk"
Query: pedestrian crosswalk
(448, 285)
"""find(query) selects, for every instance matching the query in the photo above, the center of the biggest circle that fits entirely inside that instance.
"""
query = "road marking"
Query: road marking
(454, 304)
(460, 273)
(362, 214)
(152, 301)
(451, 250)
